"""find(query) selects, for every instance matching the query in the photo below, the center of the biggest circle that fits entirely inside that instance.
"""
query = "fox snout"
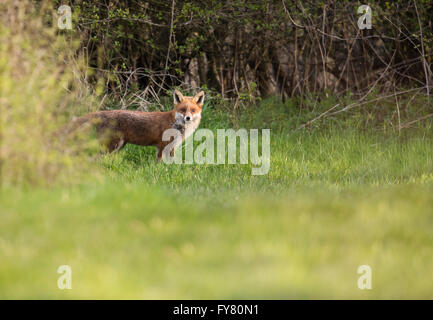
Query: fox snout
(184, 118)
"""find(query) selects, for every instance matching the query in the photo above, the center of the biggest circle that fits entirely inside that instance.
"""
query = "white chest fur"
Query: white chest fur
(192, 125)
(189, 127)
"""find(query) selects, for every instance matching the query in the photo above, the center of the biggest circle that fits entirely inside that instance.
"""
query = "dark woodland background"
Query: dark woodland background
(244, 49)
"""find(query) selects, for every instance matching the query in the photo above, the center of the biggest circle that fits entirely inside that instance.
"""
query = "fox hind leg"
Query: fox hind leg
(116, 144)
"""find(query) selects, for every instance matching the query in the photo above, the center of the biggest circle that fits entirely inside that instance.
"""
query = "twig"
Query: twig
(358, 103)
(318, 117)
(398, 110)
(169, 46)
(408, 124)
(424, 64)
(353, 105)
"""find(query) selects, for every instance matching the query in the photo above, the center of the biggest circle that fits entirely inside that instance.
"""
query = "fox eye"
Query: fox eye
(193, 110)
(183, 110)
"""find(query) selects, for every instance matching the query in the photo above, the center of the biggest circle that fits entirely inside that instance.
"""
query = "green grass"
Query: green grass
(334, 199)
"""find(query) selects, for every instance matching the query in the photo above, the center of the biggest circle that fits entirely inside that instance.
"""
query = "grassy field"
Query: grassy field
(335, 198)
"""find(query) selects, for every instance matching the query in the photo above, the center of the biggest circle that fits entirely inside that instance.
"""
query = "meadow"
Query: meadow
(338, 195)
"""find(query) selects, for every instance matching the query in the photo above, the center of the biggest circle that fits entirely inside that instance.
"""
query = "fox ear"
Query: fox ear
(199, 98)
(177, 97)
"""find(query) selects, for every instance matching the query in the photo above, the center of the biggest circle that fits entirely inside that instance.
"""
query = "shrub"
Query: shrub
(39, 90)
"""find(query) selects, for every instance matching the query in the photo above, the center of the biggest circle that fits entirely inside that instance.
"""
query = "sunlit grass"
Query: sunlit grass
(332, 201)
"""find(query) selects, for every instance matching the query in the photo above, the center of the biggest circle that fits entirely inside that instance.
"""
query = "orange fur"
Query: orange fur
(116, 128)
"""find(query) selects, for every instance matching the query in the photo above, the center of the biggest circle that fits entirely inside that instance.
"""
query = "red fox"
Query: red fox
(116, 128)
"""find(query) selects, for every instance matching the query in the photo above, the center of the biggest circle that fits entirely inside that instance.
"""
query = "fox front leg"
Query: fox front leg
(158, 154)
(162, 153)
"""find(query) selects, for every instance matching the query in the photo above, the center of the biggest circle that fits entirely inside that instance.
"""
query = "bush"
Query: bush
(38, 92)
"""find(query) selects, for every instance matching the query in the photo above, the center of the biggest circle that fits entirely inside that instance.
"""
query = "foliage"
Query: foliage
(251, 48)
(39, 91)
(342, 191)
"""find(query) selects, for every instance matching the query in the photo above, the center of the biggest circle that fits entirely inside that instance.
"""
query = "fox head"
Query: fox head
(188, 109)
